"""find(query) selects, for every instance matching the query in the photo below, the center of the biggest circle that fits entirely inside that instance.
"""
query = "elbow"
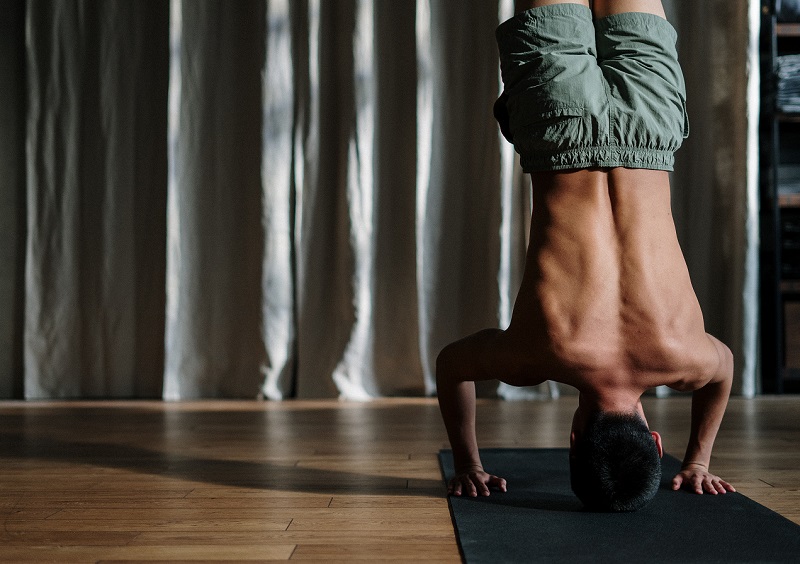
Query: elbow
(727, 363)
(444, 363)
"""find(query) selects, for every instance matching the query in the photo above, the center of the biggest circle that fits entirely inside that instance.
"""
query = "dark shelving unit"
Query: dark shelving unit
(779, 212)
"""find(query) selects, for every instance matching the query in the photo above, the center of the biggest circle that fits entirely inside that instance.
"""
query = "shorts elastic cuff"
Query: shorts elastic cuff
(599, 157)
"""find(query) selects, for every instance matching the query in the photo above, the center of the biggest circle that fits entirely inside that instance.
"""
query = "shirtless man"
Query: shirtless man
(595, 104)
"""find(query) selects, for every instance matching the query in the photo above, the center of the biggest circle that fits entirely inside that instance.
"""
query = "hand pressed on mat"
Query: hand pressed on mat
(696, 477)
(475, 482)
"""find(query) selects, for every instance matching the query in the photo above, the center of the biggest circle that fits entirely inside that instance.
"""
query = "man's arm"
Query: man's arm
(708, 409)
(457, 368)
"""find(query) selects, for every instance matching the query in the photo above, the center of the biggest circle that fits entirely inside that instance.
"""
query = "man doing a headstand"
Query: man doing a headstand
(594, 103)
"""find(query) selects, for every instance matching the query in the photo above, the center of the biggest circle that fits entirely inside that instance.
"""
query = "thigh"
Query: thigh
(603, 8)
(522, 5)
(646, 89)
(640, 44)
(544, 53)
(552, 83)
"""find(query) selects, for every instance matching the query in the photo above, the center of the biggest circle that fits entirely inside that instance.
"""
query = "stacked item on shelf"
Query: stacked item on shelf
(788, 75)
(788, 10)
(789, 184)
(789, 178)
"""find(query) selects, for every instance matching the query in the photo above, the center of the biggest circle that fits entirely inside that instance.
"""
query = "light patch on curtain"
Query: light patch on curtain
(504, 280)
(278, 270)
(355, 367)
(424, 128)
(750, 315)
(172, 380)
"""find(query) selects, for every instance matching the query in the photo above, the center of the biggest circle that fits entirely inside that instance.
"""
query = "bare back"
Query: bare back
(606, 297)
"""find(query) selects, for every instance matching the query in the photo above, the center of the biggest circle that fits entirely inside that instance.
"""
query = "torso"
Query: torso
(606, 298)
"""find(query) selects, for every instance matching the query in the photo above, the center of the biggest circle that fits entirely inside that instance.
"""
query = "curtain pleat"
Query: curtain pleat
(214, 339)
(395, 293)
(12, 196)
(713, 194)
(326, 251)
(97, 84)
(462, 211)
(284, 63)
(301, 198)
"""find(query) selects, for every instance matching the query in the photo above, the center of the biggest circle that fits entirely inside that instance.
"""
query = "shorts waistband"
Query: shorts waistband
(605, 156)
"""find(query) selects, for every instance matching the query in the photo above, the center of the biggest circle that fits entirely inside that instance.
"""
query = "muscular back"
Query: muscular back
(606, 296)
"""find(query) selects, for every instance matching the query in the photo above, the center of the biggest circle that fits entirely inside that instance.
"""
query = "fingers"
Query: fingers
(454, 487)
(717, 487)
(701, 482)
(462, 485)
(498, 483)
(714, 485)
(475, 484)
(721, 486)
(710, 484)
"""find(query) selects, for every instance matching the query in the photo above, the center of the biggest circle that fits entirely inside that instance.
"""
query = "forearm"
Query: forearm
(457, 404)
(708, 409)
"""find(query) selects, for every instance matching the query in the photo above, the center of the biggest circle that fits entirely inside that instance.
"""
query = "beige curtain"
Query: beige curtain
(300, 198)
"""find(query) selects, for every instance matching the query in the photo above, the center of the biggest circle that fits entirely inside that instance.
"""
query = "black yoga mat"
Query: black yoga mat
(540, 520)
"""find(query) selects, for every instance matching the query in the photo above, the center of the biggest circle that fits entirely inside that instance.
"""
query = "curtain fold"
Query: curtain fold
(214, 342)
(460, 255)
(714, 195)
(12, 196)
(301, 198)
(96, 156)
(286, 63)
(327, 246)
(395, 346)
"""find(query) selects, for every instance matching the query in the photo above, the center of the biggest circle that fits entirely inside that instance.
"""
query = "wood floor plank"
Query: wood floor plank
(192, 504)
(437, 502)
(199, 523)
(388, 537)
(66, 538)
(360, 525)
(211, 553)
(371, 551)
(272, 514)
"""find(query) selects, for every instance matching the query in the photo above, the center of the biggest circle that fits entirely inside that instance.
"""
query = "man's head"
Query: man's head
(615, 462)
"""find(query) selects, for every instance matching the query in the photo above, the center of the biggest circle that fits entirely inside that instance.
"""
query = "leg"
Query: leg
(636, 50)
(522, 5)
(547, 58)
(603, 8)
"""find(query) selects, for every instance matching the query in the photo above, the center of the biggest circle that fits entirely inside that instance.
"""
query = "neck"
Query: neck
(616, 401)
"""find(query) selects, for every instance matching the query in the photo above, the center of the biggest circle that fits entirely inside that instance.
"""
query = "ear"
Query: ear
(659, 446)
(572, 439)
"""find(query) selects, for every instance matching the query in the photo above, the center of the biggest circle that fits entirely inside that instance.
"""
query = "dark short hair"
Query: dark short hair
(614, 463)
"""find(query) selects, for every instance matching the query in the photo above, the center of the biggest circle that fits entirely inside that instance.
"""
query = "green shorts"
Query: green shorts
(580, 93)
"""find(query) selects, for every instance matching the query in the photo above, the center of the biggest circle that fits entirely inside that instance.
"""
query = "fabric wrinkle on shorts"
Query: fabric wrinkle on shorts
(580, 93)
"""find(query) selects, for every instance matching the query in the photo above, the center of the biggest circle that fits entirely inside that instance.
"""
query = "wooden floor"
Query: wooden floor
(87, 482)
